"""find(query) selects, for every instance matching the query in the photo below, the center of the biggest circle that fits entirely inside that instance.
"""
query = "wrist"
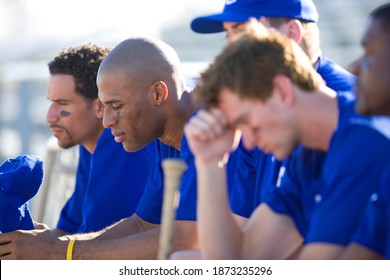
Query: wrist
(219, 161)
(57, 251)
(69, 250)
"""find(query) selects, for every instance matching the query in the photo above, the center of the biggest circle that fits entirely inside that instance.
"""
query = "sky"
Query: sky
(74, 17)
(33, 31)
(33, 23)
(32, 27)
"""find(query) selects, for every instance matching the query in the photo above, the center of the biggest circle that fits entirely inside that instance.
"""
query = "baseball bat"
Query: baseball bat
(173, 170)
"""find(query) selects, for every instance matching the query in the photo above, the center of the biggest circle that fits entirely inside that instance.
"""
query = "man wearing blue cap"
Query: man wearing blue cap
(297, 19)
(237, 12)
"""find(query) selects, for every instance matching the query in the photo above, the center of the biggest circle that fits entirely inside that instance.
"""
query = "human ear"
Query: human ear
(159, 92)
(295, 30)
(283, 87)
(99, 108)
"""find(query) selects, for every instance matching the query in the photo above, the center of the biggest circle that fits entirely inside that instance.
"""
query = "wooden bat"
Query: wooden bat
(173, 170)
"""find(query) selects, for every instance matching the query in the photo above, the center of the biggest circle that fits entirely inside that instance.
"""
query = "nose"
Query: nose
(109, 118)
(52, 115)
(355, 67)
(230, 37)
(248, 139)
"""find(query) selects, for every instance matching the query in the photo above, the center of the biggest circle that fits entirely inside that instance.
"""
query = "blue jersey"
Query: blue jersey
(350, 173)
(109, 184)
(326, 193)
(257, 171)
(336, 77)
(374, 229)
(150, 207)
(301, 179)
(384, 193)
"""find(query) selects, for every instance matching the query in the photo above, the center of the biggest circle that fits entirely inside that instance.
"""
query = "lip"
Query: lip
(56, 130)
(119, 137)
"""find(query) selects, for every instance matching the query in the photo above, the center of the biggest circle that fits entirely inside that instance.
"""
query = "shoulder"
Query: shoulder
(358, 142)
(335, 76)
(365, 127)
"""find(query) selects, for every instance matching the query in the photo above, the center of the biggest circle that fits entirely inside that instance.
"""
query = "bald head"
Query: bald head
(140, 85)
(145, 60)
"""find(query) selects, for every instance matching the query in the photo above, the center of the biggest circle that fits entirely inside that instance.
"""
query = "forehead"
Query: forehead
(63, 80)
(113, 84)
(376, 34)
(237, 110)
(62, 85)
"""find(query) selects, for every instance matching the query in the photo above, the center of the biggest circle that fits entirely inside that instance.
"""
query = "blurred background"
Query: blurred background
(32, 32)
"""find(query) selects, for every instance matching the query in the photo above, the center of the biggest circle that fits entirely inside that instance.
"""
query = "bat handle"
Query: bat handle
(173, 170)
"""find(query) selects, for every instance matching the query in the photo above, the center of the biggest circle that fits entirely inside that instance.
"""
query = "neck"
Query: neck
(319, 118)
(90, 145)
(178, 115)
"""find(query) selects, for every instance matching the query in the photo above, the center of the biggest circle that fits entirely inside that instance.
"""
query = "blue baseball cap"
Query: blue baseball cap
(20, 179)
(243, 10)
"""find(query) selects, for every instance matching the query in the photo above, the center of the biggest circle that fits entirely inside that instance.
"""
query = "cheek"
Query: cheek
(281, 131)
(64, 114)
(128, 117)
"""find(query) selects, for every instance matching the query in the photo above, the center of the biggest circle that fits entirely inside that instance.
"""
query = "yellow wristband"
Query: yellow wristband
(69, 251)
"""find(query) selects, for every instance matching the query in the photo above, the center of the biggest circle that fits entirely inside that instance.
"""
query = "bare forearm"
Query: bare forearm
(125, 227)
(321, 251)
(143, 245)
(59, 232)
(137, 246)
(357, 251)
(219, 235)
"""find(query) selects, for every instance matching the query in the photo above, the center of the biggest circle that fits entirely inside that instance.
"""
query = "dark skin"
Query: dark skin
(373, 84)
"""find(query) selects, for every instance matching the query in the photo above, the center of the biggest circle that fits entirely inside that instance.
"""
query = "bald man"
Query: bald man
(143, 91)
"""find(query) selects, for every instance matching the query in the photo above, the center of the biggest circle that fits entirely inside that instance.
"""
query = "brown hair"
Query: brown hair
(248, 65)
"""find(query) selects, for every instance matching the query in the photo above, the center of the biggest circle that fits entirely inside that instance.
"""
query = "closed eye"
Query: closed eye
(116, 107)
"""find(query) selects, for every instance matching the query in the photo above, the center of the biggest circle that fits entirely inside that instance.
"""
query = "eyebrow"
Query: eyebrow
(59, 100)
(111, 101)
(240, 120)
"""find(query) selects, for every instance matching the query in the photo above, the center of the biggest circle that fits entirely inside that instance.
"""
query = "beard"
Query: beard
(64, 138)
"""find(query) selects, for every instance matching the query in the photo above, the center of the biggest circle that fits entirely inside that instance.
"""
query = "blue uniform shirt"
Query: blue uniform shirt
(257, 171)
(351, 172)
(150, 207)
(325, 193)
(336, 77)
(109, 185)
(374, 229)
